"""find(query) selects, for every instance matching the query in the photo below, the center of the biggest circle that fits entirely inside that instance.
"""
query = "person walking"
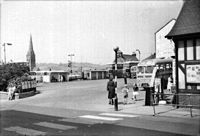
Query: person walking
(111, 90)
(135, 92)
(125, 78)
(169, 84)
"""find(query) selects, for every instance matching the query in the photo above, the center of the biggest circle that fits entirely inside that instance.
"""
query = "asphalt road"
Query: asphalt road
(81, 108)
(25, 123)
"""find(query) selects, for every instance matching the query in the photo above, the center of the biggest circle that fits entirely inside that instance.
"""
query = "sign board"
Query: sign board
(193, 73)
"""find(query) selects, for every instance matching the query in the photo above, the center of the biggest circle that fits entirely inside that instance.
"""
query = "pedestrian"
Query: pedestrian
(135, 92)
(111, 90)
(169, 84)
(125, 78)
(11, 91)
(125, 91)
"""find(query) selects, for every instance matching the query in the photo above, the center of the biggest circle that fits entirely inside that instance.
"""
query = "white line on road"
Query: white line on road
(100, 118)
(25, 131)
(79, 121)
(55, 126)
(118, 115)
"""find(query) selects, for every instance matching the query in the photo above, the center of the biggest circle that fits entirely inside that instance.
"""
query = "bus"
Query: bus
(148, 70)
(133, 72)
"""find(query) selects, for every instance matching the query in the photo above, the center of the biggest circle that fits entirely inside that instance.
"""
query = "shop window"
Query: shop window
(190, 50)
(198, 49)
(181, 50)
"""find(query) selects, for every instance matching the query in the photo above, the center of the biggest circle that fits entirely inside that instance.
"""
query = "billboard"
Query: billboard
(193, 73)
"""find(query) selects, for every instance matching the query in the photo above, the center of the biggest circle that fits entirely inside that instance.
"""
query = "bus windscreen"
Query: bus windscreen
(149, 69)
(140, 69)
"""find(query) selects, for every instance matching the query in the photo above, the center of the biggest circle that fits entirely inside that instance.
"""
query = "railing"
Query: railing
(187, 100)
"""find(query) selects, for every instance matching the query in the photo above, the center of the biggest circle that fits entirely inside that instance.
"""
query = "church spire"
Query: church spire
(31, 44)
(31, 55)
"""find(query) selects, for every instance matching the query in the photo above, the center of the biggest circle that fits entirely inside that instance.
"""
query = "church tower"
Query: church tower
(30, 56)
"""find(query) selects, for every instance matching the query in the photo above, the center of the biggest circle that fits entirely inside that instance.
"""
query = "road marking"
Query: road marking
(25, 131)
(100, 118)
(79, 121)
(118, 115)
(55, 126)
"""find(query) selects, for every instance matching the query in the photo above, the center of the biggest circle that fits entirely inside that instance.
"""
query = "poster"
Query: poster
(193, 73)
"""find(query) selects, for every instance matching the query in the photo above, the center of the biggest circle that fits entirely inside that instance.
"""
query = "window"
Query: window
(198, 49)
(167, 66)
(181, 50)
(149, 69)
(140, 69)
(190, 52)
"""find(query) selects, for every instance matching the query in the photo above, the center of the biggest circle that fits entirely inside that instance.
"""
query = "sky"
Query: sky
(88, 29)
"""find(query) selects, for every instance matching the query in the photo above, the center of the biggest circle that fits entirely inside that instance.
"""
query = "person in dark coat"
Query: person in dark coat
(125, 78)
(111, 89)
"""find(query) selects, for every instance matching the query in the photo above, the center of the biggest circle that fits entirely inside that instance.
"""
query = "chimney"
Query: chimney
(134, 54)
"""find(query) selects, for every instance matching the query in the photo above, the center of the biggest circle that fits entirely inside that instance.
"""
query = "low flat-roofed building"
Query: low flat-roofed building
(50, 76)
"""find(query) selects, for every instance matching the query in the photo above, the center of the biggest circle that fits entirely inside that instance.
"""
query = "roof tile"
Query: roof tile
(188, 21)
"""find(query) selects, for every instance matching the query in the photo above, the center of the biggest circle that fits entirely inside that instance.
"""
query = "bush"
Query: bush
(10, 72)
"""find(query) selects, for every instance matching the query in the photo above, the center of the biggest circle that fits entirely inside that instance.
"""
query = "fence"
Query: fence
(176, 100)
(28, 86)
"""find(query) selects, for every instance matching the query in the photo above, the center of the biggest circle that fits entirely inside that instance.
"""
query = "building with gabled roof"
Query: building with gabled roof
(164, 47)
(186, 36)
(188, 21)
(124, 64)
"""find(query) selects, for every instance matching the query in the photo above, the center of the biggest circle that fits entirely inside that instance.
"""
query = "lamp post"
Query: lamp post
(139, 53)
(117, 52)
(5, 50)
(71, 55)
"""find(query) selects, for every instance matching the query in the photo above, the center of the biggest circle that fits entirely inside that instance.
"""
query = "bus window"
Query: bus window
(149, 69)
(133, 69)
(140, 69)
(45, 73)
(32, 73)
(167, 66)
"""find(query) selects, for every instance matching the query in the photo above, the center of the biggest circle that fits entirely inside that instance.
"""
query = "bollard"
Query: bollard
(116, 103)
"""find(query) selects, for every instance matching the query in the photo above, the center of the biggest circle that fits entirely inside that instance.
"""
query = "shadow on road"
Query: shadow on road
(12, 124)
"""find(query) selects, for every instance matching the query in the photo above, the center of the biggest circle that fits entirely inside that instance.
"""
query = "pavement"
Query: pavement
(138, 107)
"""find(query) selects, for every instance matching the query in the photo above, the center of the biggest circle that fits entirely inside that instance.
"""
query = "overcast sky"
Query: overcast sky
(88, 29)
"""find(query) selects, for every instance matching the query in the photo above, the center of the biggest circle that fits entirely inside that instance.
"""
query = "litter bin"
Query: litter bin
(116, 102)
(148, 96)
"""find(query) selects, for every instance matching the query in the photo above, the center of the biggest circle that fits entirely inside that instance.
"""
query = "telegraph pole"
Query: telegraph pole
(71, 55)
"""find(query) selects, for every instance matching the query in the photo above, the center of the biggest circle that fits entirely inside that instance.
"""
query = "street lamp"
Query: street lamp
(139, 53)
(71, 55)
(5, 50)
(116, 51)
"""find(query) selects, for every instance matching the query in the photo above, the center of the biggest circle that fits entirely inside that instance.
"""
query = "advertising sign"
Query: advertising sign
(193, 73)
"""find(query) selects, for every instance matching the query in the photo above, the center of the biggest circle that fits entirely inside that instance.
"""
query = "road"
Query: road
(81, 108)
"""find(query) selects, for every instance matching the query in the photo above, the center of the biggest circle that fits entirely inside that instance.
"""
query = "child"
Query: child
(125, 91)
(11, 91)
(169, 84)
(135, 93)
